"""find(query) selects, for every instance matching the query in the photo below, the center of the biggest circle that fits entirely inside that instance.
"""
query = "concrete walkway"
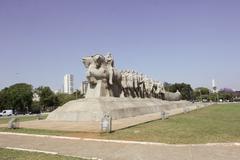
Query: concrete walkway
(119, 150)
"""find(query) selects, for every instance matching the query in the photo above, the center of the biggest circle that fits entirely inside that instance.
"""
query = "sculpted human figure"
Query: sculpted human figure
(154, 89)
(130, 84)
(157, 89)
(96, 75)
(149, 86)
(141, 85)
(114, 76)
(124, 83)
(145, 82)
(110, 65)
(136, 83)
(162, 88)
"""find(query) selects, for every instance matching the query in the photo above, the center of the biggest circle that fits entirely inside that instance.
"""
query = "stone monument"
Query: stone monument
(118, 94)
(103, 79)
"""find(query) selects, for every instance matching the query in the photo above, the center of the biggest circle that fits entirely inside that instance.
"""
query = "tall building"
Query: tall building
(214, 87)
(83, 87)
(68, 84)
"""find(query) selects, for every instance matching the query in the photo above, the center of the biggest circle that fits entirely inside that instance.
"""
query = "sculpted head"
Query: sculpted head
(87, 61)
(98, 60)
(109, 56)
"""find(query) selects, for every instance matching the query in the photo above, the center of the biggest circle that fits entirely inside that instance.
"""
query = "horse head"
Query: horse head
(87, 61)
(99, 60)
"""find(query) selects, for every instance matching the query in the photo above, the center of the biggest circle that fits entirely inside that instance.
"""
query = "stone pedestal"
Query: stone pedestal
(93, 109)
(98, 90)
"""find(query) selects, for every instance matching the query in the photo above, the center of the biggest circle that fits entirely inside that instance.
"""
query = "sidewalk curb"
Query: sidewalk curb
(48, 152)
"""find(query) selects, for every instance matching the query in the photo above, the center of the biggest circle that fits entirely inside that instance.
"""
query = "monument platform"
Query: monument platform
(149, 110)
(95, 126)
(86, 114)
(94, 109)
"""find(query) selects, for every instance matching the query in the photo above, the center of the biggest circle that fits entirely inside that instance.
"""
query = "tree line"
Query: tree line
(202, 93)
(19, 98)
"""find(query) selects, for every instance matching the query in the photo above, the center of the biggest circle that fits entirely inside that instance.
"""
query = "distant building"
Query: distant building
(68, 84)
(57, 91)
(83, 87)
(227, 90)
(214, 87)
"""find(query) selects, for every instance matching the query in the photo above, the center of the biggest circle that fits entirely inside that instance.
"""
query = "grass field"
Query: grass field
(7, 154)
(4, 120)
(214, 124)
(217, 123)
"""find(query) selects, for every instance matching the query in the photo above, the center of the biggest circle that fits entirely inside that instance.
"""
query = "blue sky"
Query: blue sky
(187, 41)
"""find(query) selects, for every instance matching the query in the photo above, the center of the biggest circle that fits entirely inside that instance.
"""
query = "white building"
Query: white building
(68, 84)
(214, 87)
(83, 87)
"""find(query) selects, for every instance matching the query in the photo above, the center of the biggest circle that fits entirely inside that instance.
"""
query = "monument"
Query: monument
(118, 94)
(106, 81)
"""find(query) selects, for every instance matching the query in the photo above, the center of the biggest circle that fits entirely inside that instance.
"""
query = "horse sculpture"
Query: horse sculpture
(104, 79)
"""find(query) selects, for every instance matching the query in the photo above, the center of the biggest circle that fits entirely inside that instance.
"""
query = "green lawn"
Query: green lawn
(217, 123)
(7, 154)
(4, 120)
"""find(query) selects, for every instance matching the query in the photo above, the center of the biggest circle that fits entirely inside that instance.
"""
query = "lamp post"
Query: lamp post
(200, 94)
(76, 93)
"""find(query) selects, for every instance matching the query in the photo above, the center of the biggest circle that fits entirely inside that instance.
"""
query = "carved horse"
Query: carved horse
(98, 69)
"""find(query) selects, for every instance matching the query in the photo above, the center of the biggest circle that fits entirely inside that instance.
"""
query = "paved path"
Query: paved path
(120, 150)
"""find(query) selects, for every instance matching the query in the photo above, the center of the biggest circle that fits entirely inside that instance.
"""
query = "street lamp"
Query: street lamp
(200, 94)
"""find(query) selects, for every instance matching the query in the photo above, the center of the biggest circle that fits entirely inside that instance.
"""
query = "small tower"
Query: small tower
(68, 84)
(214, 87)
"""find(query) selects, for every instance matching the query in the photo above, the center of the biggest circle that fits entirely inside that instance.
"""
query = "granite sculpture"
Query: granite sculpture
(118, 94)
(106, 81)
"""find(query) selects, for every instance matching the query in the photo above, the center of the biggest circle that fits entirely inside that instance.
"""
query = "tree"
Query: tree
(17, 97)
(47, 97)
(226, 96)
(203, 90)
(185, 89)
(4, 99)
(201, 93)
(36, 107)
(64, 98)
(78, 94)
(167, 86)
(213, 97)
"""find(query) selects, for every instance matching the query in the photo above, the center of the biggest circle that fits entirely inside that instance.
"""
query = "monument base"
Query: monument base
(85, 115)
(93, 109)
(98, 90)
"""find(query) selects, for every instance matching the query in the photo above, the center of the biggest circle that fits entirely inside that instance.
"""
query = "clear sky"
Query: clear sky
(190, 41)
